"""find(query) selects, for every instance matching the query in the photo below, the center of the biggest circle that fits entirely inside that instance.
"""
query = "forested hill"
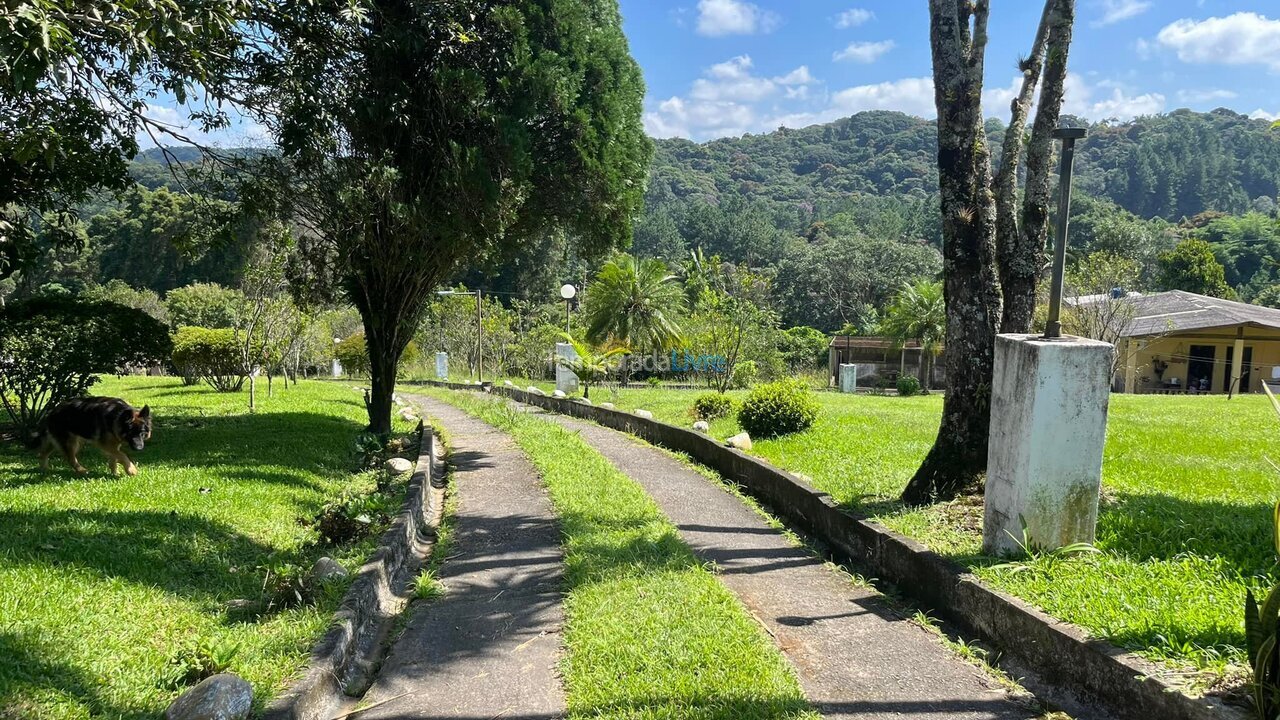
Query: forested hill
(1171, 166)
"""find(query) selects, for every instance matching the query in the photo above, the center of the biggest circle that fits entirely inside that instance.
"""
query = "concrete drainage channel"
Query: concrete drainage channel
(1092, 671)
(344, 662)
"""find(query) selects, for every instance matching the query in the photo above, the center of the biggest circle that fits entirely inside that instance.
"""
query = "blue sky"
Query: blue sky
(718, 68)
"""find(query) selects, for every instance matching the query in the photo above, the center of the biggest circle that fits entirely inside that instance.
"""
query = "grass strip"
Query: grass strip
(650, 631)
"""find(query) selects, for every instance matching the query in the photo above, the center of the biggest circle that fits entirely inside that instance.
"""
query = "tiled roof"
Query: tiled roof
(1176, 310)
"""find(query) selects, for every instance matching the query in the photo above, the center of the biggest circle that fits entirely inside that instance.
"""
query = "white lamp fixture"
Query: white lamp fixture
(568, 291)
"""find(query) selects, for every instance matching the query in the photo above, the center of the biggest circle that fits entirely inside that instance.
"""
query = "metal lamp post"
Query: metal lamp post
(479, 326)
(1068, 136)
(568, 292)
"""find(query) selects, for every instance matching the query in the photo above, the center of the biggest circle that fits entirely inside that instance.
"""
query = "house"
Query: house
(880, 360)
(1180, 342)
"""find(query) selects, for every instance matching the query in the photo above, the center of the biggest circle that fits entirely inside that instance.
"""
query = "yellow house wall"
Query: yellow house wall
(1176, 349)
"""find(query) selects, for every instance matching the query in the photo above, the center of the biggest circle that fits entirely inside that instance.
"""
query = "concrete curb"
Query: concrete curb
(1093, 671)
(343, 662)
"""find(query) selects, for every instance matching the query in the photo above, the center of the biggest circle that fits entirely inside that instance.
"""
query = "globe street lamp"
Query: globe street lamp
(567, 292)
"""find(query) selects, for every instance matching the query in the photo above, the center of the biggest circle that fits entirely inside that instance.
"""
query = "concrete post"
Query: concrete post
(1237, 363)
(1048, 427)
(831, 366)
(442, 366)
(566, 380)
(1131, 366)
(848, 378)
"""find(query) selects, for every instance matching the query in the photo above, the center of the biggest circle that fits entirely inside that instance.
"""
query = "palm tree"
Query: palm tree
(919, 313)
(634, 303)
(590, 365)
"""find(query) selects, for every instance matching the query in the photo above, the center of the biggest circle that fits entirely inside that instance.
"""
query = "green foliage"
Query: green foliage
(198, 659)
(634, 302)
(213, 355)
(207, 305)
(711, 406)
(1191, 266)
(284, 585)
(803, 348)
(918, 313)
(352, 517)
(780, 408)
(53, 348)
(908, 386)
(353, 355)
(119, 292)
(744, 374)
(591, 364)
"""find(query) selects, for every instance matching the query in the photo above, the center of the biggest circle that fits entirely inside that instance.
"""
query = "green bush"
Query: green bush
(353, 355)
(908, 385)
(779, 408)
(53, 348)
(710, 406)
(213, 355)
(744, 374)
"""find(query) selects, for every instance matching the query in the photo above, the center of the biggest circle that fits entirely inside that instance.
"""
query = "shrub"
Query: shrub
(53, 348)
(744, 374)
(206, 305)
(197, 660)
(908, 385)
(710, 406)
(654, 381)
(209, 354)
(779, 408)
(353, 355)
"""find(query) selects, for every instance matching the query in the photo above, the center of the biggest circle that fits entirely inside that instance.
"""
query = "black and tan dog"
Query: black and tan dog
(106, 422)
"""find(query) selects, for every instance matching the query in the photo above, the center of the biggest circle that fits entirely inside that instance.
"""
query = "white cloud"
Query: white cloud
(854, 17)
(1080, 98)
(1244, 38)
(913, 96)
(726, 101)
(243, 132)
(799, 76)
(1261, 114)
(1204, 96)
(717, 18)
(864, 52)
(1114, 11)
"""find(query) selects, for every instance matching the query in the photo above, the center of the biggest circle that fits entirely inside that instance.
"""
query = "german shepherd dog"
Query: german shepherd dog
(106, 422)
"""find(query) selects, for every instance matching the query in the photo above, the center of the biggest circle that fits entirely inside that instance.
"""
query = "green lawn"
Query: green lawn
(103, 579)
(1185, 525)
(650, 632)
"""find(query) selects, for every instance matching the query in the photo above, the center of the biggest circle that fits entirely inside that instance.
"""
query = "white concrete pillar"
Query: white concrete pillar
(848, 378)
(1048, 428)
(566, 379)
(442, 366)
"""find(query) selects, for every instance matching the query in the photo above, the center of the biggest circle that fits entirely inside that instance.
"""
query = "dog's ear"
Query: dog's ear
(145, 412)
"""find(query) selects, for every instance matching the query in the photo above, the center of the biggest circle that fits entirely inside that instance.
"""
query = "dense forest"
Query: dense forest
(838, 216)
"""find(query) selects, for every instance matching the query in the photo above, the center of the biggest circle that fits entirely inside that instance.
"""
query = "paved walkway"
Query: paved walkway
(489, 647)
(855, 657)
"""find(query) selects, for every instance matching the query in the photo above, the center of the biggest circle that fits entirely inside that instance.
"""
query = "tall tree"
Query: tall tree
(635, 302)
(973, 221)
(421, 135)
(919, 313)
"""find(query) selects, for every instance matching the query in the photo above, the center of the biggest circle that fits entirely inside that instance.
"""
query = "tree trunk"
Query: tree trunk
(1008, 238)
(959, 455)
(253, 390)
(1022, 262)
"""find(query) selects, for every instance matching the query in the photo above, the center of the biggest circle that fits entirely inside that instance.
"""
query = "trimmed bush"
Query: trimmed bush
(353, 355)
(710, 406)
(213, 355)
(53, 348)
(908, 385)
(779, 408)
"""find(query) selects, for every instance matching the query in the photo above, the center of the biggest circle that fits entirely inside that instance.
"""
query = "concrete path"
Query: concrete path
(855, 657)
(489, 647)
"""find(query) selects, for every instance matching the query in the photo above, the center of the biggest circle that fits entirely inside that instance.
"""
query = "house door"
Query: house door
(1200, 367)
(1244, 370)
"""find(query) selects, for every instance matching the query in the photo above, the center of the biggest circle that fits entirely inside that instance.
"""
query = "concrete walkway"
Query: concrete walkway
(854, 656)
(489, 647)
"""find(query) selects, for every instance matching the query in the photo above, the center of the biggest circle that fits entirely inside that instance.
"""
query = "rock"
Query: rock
(399, 466)
(644, 414)
(396, 399)
(408, 414)
(702, 426)
(508, 383)
(741, 441)
(558, 394)
(327, 569)
(221, 697)
(583, 400)
(534, 391)
(607, 406)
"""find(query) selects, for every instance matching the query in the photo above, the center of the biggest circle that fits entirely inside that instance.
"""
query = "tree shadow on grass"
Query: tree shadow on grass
(1146, 527)
(29, 681)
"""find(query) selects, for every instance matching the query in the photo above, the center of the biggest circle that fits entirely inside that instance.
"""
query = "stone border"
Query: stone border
(1094, 671)
(344, 661)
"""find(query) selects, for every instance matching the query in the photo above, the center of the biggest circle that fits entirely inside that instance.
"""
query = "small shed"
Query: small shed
(880, 360)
